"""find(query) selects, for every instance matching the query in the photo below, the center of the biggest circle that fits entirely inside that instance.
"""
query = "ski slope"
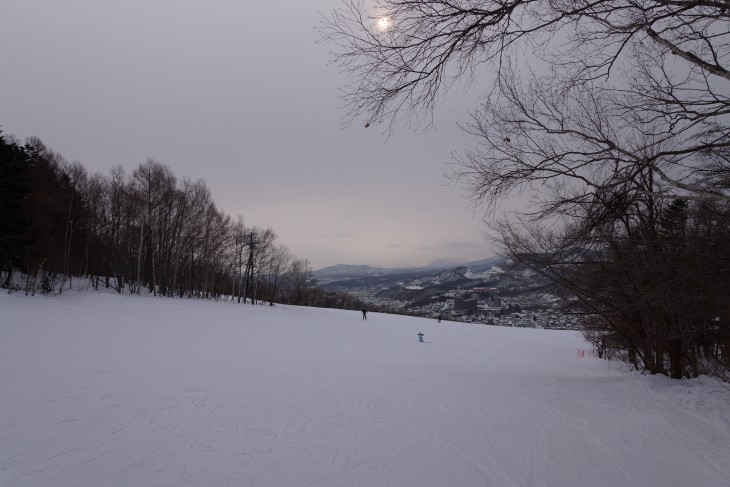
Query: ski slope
(106, 390)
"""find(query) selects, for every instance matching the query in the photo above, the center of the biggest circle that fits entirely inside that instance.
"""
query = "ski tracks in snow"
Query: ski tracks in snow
(286, 397)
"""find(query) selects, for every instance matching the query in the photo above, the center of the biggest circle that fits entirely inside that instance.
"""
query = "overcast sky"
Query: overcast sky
(238, 94)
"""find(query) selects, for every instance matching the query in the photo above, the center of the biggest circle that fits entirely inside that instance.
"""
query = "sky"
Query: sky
(241, 95)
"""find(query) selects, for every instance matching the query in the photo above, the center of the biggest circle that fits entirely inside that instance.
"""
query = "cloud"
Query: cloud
(452, 245)
(400, 244)
(335, 235)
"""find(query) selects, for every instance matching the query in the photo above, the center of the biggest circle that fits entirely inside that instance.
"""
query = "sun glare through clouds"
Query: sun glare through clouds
(383, 23)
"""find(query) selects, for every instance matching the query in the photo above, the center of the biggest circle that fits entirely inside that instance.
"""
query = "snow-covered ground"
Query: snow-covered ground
(105, 390)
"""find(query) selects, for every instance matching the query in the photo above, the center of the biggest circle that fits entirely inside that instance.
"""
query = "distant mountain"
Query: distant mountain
(445, 263)
(344, 277)
(419, 288)
(443, 277)
(485, 264)
(346, 270)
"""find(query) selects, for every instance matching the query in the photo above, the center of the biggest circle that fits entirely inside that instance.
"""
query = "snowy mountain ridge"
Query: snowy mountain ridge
(418, 288)
(354, 271)
(348, 270)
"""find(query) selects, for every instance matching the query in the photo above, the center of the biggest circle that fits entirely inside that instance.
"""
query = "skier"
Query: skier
(439, 317)
(420, 337)
(364, 314)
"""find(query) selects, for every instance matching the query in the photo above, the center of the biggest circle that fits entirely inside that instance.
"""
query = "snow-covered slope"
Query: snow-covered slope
(104, 390)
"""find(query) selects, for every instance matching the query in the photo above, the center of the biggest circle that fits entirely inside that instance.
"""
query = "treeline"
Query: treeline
(660, 292)
(132, 232)
(650, 278)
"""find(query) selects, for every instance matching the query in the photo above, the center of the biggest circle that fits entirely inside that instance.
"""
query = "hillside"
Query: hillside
(420, 291)
(365, 278)
(107, 390)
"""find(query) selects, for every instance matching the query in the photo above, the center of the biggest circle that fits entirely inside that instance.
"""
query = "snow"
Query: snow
(107, 390)
(491, 273)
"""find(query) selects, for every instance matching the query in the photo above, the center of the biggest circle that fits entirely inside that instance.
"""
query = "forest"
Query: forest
(143, 231)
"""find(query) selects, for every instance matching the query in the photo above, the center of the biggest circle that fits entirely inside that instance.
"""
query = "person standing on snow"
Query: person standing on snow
(364, 314)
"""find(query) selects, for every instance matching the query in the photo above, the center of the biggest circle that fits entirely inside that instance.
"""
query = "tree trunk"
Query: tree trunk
(139, 258)
(676, 358)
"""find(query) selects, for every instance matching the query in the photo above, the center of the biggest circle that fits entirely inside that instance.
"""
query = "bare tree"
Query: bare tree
(659, 65)
(277, 268)
(264, 246)
(621, 110)
(95, 202)
(151, 182)
(238, 240)
(300, 277)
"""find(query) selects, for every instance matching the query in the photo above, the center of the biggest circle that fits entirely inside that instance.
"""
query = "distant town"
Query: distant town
(481, 306)
(490, 292)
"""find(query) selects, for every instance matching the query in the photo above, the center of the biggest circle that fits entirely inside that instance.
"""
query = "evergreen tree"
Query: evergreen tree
(14, 192)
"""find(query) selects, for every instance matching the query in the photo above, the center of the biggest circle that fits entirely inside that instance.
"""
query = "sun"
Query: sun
(383, 24)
